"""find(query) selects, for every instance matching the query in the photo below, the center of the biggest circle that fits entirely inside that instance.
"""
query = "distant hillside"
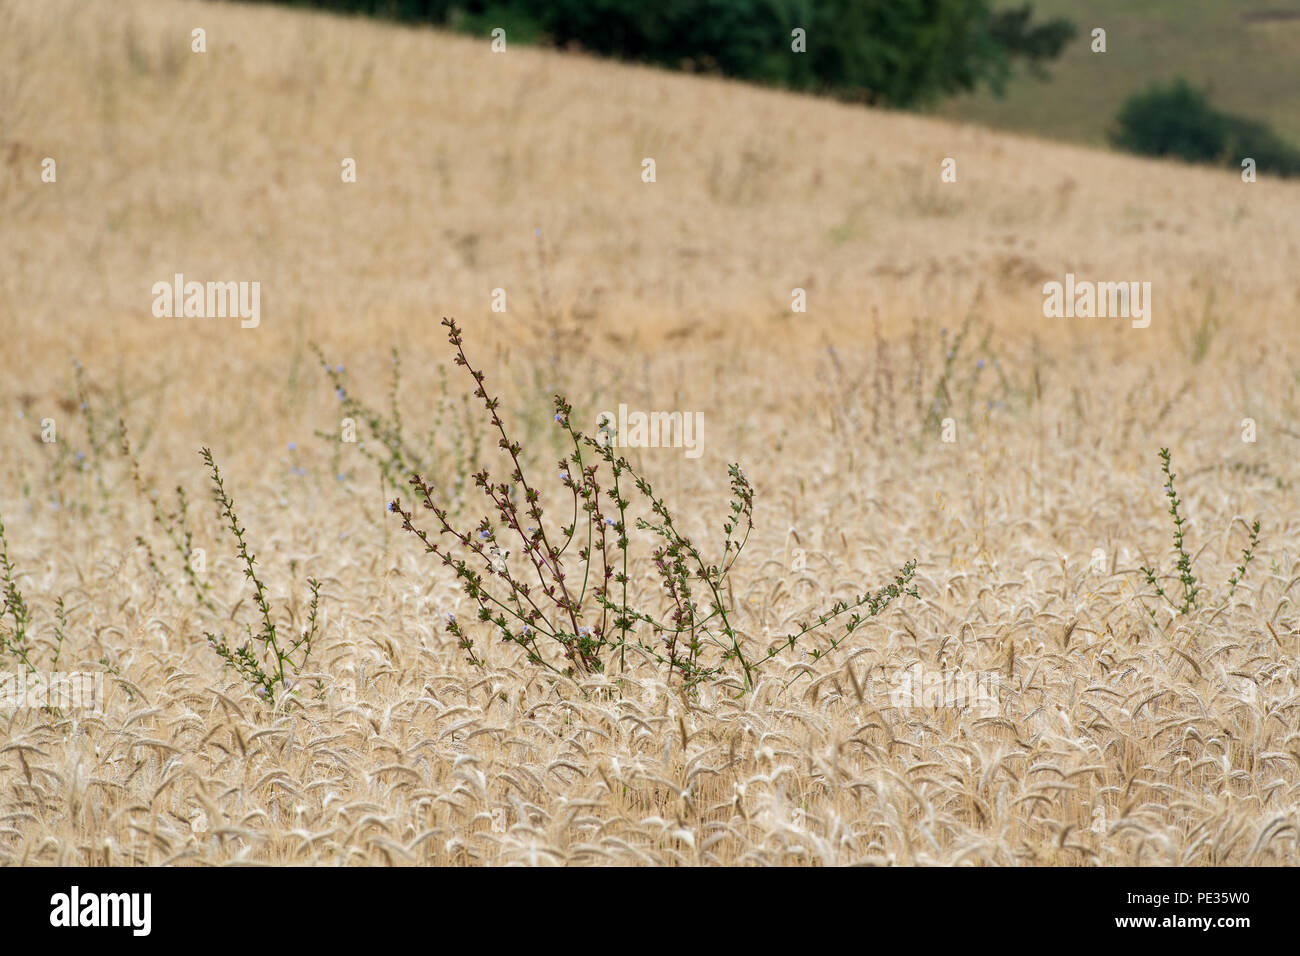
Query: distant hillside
(1245, 51)
(464, 156)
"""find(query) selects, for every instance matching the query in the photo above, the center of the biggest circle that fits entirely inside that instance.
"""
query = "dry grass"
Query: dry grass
(1119, 739)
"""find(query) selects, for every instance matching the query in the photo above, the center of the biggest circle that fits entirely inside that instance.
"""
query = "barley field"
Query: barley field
(921, 408)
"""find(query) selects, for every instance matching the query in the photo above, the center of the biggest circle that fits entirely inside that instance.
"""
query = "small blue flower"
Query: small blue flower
(340, 393)
(485, 535)
(610, 522)
(341, 477)
(559, 417)
(451, 618)
(81, 455)
(338, 368)
(979, 364)
(537, 231)
(564, 476)
(293, 446)
(392, 505)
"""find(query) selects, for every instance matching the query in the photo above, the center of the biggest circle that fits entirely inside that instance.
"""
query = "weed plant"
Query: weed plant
(583, 609)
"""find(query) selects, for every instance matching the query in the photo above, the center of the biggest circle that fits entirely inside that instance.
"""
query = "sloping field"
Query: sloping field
(923, 407)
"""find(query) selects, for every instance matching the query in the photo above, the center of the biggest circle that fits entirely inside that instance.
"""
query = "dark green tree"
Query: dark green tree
(900, 52)
(1178, 120)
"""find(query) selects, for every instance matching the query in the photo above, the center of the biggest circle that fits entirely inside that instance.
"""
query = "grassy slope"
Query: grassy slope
(1250, 65)
(227, 164)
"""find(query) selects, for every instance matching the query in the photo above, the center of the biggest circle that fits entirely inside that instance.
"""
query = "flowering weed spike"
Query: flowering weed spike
(1247, 555)
(1191, 587)
(17, 642)
(265, 672)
